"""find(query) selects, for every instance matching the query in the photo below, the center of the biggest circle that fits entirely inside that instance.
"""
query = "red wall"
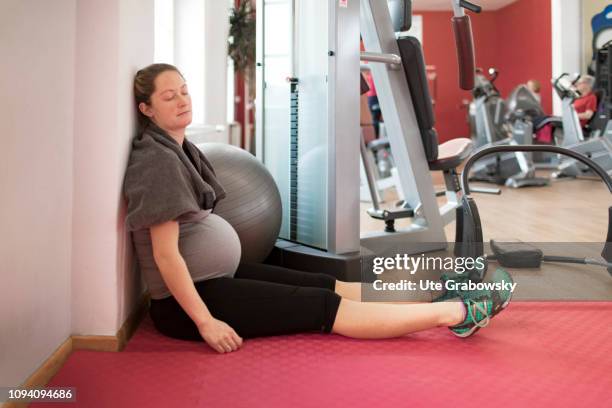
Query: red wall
(525, 31)
(515, 39)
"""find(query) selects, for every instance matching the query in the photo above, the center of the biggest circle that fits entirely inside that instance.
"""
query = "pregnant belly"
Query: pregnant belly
(210, 247)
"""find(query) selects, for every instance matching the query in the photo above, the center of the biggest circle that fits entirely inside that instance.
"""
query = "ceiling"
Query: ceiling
(419, 5)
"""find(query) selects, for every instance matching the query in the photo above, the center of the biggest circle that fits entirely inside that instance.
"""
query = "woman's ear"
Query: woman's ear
(145, 109)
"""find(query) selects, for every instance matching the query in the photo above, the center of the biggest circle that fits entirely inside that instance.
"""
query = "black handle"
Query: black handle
(556, 81)
(485, 151)
(470, 6)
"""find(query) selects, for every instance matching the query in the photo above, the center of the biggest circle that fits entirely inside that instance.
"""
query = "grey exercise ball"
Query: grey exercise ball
(252, 205)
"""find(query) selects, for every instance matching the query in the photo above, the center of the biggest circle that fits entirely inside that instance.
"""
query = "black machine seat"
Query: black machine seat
(601, 118)
(600, 94)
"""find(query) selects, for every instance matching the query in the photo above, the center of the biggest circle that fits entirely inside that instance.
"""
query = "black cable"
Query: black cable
(564, 259)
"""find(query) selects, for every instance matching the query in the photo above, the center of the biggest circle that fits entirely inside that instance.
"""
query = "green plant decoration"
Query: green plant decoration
(242, 38)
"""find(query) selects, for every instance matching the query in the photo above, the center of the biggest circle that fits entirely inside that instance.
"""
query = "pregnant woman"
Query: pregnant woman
(190, 257)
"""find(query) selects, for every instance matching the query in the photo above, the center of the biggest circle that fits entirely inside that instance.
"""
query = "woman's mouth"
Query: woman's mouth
(184, 113)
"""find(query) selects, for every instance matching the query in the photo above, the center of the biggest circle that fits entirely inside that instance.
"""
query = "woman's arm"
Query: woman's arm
(171, 264)
(590, 107)
(164, 238)
(586, 115)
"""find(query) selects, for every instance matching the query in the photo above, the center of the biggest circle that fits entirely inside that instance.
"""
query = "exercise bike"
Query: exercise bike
(500, 122)
(598, 147)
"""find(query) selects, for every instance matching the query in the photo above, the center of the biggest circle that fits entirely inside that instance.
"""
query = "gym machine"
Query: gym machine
(597, 148)
(498, 122)
(601, 68)
(308, 61)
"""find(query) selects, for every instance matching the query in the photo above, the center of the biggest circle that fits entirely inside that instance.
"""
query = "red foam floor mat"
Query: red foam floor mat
(557, 355)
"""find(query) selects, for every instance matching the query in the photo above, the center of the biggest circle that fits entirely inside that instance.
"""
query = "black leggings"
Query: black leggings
(261, 300)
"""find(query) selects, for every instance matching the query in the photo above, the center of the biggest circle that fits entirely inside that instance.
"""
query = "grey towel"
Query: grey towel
(161, 183)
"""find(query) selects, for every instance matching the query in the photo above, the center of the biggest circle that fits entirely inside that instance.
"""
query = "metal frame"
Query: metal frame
(572, 131)
(427, 229)
(426, 232)
(343, 117)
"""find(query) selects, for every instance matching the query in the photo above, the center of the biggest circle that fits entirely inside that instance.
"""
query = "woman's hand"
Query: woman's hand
(220, 336)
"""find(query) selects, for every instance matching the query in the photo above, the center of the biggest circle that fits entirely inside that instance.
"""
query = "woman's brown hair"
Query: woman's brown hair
(144, 86)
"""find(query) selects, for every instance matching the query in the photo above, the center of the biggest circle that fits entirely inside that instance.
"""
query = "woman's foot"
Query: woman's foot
(468, 276)
(451, 293)
(482, 305)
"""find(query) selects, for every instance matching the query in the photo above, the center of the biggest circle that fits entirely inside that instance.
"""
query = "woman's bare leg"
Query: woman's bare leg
(379, 320)
(349, 290)
(352, 291)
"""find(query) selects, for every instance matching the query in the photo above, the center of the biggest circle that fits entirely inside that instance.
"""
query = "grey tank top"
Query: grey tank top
(208, 244)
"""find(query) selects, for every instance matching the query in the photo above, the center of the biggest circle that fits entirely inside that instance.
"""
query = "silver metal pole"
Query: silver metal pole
(457, 9)
(369, 176)
(390, 59)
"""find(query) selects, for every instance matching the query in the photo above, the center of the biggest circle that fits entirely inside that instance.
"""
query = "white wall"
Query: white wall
(36, 126)
(215, 74)
(67, 120)
(114, 39)
(200, 52)
(66, 124)
(566, 41)
(136, 47)
(94, 260)
(190, 50)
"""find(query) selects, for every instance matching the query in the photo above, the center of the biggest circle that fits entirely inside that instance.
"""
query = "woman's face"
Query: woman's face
(584, 87)
(170, 107)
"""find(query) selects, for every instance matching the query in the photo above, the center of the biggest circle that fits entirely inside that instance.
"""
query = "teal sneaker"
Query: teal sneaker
(483, 305)
(457, 277)
(450, 293)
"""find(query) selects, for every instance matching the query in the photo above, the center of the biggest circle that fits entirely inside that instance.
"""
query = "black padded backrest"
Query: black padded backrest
(600, 119)
(364, 85)
(414, 68)
(401, 14)
(600, 95)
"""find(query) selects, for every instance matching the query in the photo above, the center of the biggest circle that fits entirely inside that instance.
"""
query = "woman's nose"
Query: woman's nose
(183, 100)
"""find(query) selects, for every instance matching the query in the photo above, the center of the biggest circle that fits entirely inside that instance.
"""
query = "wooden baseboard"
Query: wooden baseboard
(46, 371)
(129, 327)
(118, 341)
(54, 363)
